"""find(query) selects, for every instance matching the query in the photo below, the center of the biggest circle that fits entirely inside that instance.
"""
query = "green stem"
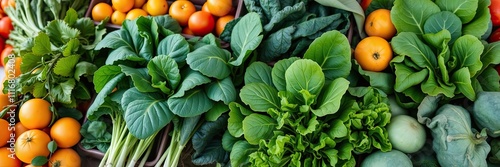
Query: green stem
(39, 14)
(128, 145)
(141, 147)
(146, 155)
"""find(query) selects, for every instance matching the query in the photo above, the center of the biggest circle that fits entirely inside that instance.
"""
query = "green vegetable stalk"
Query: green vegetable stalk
(30, 16)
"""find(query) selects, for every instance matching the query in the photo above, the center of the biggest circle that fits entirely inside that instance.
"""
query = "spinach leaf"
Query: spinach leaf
(246, 39)
(207, 143)
(164, 73)
(258, 72)
(444, 20)
(465, 10)
(410, 17)
(210, 60)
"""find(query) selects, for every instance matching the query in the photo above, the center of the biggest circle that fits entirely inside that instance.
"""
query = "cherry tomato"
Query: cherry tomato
(495, 36)
(201, 23)
(5, 27)
(365, 4)
(495, 12)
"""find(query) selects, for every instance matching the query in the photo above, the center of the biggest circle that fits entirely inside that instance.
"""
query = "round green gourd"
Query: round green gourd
(392, 158)
(486, 112)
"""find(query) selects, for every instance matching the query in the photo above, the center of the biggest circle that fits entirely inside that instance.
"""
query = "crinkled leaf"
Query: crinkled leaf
(193, 103)
(146, 115)
(257, 127)
(333, 53)
(41, 45)
(71, 47)
(247, 37)
(276, 44)
(62, 91)
(222, 90)
(304, 75)
(60, 32)
(85, 69)
(210, 61)
(164, 73)
(260, 97)
(258, 72)
(65, 66)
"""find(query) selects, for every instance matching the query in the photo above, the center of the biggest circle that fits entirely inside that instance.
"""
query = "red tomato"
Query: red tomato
(201, 23)
(495, 12)
(2, 44)
(498, 69)
(495, 36)
(5, 27)
(5, 53)
(365, 4)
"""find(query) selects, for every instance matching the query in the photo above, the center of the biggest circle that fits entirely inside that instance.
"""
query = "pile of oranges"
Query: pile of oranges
(28, 136)
(211, 18)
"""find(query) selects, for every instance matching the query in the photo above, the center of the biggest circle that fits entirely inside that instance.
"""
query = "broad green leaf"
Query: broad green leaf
(479, 25)
(42, 44)
(240, 152)
(444, 20)
(439, 40)
(465, 9)
(462, 79)
(260, 97)
(39, 160)
(174, 46)
(29, 61)
(105, 74)
(433, 86)
(333, 53)
(164, 73)
(122, 53)
(81, 92)
(85, 69)
(141, 37)
(228, 141)
(71, 47)
(409, 16)
(338, 129)
(66, 66)
(304, 75)
(351, 6)
(407, 77)
(312, 26)
(191, 80)
(107, 87)
(168, 23)
(222, 90)
(488, 57)
(52, 146)
(61, 92)
(71, 16)
(247, 37)
(216, 111)
(258, 72)
(489, 80)
(115, 40)
(146, 115)
(210, 60)
(468, 49)
(330, 97)
(408, 44)
(278, 72)
(276, 44)
(39, 90)
(235, 120)
(140, 78)
(195, 102)
(257, 127)
(380, 80)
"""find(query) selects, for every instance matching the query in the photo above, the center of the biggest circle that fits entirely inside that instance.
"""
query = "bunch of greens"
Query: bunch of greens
(439, 50)
(58, 62)
(31, 16)
(290, 26)
(297, 113)
(161, 78)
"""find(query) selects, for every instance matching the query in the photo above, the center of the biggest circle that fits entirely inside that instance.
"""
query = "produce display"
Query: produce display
(115, 83)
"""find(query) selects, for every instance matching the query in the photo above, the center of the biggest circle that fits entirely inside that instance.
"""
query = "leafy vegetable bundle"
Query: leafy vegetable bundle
(31, 16)
(439, 50)
(160, 77)
(58, 62)
(290, 26)
(299, 114)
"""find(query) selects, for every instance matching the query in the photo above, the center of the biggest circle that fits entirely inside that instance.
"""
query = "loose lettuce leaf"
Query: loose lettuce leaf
(304, 75)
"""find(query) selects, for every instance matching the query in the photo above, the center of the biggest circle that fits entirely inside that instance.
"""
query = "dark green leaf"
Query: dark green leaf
(164, 73)
(489, 80)
(444, 20)
(276, 44)
(408, 44)
(52, 146)
(85, 69)
(39, 160)
(330, 97)
(69, 112)
(115, 40)
(468, 49)
(123, 53)
(107, 87)
(314, 25)
(61, 92)
(167, 22)
(462, 79)
(195, 102)
(211, 61)
(410, 17)
(65, 66)
(278, 72)
(407, 77)
(479, 25)
(105, 74)
(221, 90)
(174, 46)
(140, 78)
(245, 37)
(240, 152)
(191, 80)
(258, 72)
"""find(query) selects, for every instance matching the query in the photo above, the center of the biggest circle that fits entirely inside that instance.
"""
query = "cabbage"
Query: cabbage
(455, 142)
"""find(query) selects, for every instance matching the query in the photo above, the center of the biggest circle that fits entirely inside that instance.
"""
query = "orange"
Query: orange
(8, 158)
(378, 23)
(65, 157)
(205, 7)
(101, 11)
(135, 13)
(139, 3)
(181, 11)
(35, 114)
(156, 7)
(13, 69)
(373, 53)
(20, 129)
(122, 5)
(66, 132)
(219, 7)
(221, 23)
(31, 144)
(118, 17)
(5, 132)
